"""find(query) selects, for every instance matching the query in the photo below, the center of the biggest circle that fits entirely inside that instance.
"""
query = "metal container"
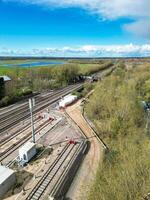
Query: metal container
(27, 152)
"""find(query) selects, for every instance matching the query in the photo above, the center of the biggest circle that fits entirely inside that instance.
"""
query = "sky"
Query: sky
(75, 28)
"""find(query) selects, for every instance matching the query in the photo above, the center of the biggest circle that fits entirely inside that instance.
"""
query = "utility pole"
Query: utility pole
(31, 106)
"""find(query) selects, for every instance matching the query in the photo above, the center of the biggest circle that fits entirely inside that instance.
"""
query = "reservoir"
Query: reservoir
(35, 64)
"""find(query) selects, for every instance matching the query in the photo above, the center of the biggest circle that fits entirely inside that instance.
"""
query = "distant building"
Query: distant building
(6, 78)
(7, 180)
(5, 85)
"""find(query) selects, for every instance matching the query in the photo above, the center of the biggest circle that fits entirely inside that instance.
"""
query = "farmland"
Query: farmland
(40, 78)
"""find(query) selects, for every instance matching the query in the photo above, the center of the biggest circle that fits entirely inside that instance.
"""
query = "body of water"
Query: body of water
(35, 64)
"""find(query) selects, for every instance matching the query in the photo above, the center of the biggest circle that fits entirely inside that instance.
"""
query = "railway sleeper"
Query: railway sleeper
(61, 187)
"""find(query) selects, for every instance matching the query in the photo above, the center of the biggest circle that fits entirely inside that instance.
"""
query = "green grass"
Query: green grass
(84, 68)
(120, 120)
(6, 70)
(12, 70)
(87, 69)
(125, 173)
(87, 65)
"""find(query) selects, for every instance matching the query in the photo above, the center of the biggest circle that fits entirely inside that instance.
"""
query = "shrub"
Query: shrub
(114, 109)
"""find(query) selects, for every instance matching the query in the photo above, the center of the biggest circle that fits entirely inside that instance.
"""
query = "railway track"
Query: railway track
(61, 185)
(25, 106)
(5, 115)
(15, 116)
(19, 143)
(16, 133)
(50, 174)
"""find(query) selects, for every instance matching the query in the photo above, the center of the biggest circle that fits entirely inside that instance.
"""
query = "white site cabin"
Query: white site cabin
(67, 100)
(27, 152)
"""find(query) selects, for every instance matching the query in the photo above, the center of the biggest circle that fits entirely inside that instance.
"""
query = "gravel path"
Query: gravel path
(85, 176)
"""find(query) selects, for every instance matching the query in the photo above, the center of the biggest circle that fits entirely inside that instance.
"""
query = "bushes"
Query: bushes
(83, 91)
(43, 78)
(15, 96)
(5, 101)
(91, 69)
(114, 108)
(2, 87)
(125, 173)
(26, 91)
(66, 74)
(115, 104)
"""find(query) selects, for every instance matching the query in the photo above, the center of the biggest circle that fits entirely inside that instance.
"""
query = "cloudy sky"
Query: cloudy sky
(93, 28)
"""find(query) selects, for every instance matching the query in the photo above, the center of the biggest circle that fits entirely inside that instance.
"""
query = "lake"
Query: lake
(35, 64)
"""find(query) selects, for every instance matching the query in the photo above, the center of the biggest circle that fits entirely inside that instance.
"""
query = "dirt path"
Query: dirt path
(87, 171)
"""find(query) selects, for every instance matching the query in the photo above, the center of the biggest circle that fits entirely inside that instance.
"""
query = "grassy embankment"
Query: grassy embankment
(116, 111)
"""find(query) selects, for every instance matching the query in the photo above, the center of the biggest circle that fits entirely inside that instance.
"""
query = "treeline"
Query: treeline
(15, 96)
(89, 61)
(116, 111)
(26, 81)
(2, 88)
(88, 70)
(44, 78)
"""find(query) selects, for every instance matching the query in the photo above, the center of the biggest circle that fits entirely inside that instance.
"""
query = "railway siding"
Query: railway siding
(55, 172)
(61, 187)
(7, 155)
(95, 155)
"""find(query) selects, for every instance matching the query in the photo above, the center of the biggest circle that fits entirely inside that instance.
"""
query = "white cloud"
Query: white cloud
(139, 28)
(108, 8)
(84, 51)
(138, 10)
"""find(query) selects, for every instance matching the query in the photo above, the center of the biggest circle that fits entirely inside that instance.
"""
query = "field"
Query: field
(36, 77)
(5, 70)
(84, 68)
(14, 68)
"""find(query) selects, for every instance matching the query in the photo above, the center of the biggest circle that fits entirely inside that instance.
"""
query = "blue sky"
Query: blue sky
(74, 28)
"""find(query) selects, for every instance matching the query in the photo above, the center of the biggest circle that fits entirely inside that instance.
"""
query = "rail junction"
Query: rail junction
(67, 151)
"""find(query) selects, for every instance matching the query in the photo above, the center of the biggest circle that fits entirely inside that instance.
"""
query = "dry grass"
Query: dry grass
(116, 112)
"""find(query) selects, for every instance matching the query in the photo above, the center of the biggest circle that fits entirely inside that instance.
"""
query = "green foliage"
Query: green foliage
(142, 76)
(84, 91)
(66, 74)
(115, 110)
(112, 157)
(2, 88)
(124, 175)
(15, 96)
(121, 65)
(43, 78)
(88, 61)
(94, 68)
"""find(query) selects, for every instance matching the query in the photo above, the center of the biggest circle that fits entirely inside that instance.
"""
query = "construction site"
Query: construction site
(43, 145)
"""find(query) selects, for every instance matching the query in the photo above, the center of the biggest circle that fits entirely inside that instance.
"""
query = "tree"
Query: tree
(2, 87)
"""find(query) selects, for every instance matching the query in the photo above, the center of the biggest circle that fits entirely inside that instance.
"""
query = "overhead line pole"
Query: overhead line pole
(31, 106)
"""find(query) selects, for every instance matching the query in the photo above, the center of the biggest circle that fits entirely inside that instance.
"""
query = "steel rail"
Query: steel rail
(48, 176)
